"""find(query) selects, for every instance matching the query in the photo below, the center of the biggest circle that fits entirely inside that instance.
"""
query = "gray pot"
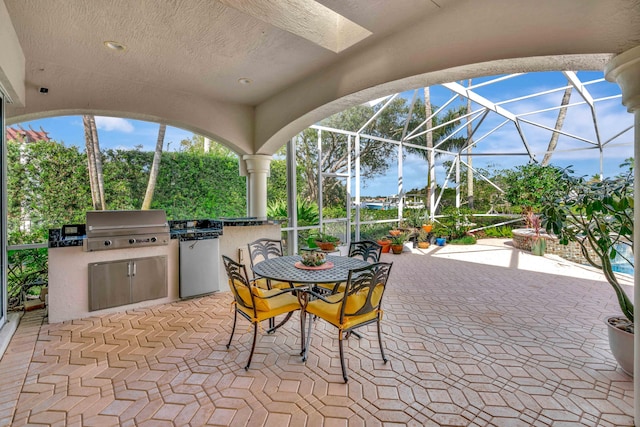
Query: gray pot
(621, 344)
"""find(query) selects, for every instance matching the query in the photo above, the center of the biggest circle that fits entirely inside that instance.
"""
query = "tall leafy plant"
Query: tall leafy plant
(598, 215)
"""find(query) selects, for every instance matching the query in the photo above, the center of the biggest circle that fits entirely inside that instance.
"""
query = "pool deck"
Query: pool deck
(482, 335)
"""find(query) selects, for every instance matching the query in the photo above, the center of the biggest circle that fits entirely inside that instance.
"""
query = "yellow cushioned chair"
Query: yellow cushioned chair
(368, 250)
(359, 305)
(260, 250)
(256, 304)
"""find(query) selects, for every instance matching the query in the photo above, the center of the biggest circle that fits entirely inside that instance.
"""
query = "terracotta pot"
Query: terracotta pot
(621, 344)
(395, 232)
(386, 245)
(326, 246)
(423, 245)
(397, 249)
(427, 228)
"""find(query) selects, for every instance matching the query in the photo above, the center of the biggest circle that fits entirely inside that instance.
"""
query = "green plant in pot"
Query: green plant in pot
(397, 243)
(598, 216)
(423, 239)
(385, 242)
(539, 243)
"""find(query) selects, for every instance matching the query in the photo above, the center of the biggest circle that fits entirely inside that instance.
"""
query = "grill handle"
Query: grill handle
(125, 227)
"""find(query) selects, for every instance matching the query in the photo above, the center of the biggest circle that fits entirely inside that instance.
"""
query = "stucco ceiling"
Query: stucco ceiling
(184, 59)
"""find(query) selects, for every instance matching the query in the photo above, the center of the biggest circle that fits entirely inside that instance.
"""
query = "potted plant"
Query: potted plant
(423, 239)
(397, 243)
(326, 242)
(395, 232)
(599, 217)
(539, 244)
(385, 243)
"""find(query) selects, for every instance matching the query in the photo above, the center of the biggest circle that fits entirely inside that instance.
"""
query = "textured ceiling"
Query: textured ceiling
(184, 58)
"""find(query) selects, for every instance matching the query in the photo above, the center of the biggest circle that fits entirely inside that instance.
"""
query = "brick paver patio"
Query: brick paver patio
(482, 335)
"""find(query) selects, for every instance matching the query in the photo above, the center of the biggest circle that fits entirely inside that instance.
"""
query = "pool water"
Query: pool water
(619, 264)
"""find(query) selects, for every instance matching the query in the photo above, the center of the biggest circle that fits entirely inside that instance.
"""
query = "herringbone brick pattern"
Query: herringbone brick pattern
(475, 336)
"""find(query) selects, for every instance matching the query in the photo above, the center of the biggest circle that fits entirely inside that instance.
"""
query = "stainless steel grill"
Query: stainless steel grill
(126, 229)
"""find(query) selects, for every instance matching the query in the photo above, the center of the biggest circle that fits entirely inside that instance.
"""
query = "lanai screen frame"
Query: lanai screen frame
(476, 117)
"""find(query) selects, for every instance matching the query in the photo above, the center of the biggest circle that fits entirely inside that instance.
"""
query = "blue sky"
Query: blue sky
(611, 115)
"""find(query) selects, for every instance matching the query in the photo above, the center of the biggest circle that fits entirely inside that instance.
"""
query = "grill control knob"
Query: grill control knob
(107, 242)
(132, 241)
(153, 240)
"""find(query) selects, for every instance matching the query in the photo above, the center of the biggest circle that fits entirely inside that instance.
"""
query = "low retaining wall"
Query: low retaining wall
(523, 238)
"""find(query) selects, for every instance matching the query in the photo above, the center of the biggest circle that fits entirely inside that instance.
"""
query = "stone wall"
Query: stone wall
(523, 238)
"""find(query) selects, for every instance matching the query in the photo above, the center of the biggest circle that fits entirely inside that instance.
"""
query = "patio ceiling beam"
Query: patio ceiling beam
(579, 138)
(532, 95)
(572, 77)
(479, 99)
(496, 80)
(477, 173)
(453, 98)
(375, 116)
(409, 115)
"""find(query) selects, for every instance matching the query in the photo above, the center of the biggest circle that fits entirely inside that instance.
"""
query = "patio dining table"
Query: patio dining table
(283, 269)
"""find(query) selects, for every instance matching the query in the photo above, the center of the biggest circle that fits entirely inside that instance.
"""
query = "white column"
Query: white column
(258, 171)
(624, 69)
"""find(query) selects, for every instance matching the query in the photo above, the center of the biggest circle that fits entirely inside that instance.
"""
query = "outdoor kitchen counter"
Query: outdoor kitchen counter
(69, 273)
(68, 267)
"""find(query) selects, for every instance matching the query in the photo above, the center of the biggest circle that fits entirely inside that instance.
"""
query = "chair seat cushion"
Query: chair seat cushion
(268, 308)
(330, 311)
(262, 283)
(279, 304)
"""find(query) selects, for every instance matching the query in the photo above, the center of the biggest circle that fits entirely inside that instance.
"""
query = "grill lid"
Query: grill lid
(126, 229)
(126, 223)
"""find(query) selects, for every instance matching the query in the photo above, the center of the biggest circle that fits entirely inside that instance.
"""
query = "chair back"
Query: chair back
(262, 249)
(239, 283)
(368, 250)
(364, 290)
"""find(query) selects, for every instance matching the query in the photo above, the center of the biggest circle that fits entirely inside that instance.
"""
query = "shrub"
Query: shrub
(464, 240)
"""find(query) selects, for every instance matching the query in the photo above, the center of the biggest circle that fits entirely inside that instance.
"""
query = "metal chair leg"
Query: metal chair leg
(340, 344)
(380, 342)
(271, 321)
(308, 343)
(233, 328)
(253, 347)
(302, 324)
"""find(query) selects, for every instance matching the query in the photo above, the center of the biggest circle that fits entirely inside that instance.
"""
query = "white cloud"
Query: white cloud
(117, 124)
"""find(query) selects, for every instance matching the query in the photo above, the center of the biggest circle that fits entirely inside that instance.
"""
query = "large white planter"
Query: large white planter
(621, 343)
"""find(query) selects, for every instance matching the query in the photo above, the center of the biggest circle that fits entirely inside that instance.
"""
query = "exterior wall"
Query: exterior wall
(234, 245)
(523, 238)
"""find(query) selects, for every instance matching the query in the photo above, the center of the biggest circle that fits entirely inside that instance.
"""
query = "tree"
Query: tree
(155, 168)
(553, 142)
(375, 156)
(599, 217)
(94, 160)
(526, 186)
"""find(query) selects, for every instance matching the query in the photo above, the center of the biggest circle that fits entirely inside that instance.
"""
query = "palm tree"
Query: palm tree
(155, 168)
(559, 122)
(94, 160)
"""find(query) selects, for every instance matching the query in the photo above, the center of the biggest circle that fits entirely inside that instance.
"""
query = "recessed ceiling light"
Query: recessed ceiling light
(119, 47)
(244, 81)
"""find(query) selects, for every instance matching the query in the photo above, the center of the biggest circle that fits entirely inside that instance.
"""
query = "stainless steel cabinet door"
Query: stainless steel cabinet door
(148, 278)
(109, 284)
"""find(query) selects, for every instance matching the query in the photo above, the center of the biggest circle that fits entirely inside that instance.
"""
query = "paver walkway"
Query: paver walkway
(482, 335)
